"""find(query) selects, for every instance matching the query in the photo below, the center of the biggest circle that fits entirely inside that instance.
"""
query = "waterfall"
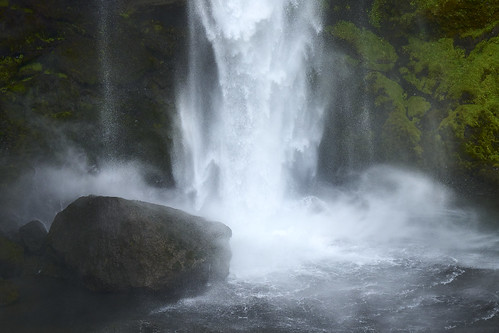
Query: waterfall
(108, 110)
(250, 117)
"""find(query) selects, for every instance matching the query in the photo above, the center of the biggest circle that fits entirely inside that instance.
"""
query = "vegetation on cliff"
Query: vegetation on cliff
(52, 84)
(436, 96)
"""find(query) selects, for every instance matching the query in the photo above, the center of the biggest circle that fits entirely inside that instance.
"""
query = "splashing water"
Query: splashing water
(251, 119)
(255, 143)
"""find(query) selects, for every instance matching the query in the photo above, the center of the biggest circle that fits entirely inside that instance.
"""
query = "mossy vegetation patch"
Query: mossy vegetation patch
(400, 135)
(451, 18)
(374, 51)
(431, 68)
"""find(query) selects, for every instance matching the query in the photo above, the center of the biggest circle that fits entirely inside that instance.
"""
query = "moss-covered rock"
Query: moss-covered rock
(374, 52)
(460, 17)
(452, 18)
(434, 67)
(436, 104)
(401, 135)
(469, 86)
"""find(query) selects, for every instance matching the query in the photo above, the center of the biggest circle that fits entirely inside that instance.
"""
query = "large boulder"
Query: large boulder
(112, 244)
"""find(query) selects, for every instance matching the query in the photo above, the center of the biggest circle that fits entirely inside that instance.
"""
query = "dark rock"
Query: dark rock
(112, 244)
(11, 258)
(32, 236)
(8, 293)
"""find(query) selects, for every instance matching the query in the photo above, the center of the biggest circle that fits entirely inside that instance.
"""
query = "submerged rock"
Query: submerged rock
(112, 244)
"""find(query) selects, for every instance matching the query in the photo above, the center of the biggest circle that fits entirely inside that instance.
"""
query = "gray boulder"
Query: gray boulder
(112, 244)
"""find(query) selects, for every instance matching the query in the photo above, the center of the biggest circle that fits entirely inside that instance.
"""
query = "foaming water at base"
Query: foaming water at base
(390, 253)
(386, 213)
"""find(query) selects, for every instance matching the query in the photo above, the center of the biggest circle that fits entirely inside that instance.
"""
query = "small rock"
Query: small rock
(32, 236)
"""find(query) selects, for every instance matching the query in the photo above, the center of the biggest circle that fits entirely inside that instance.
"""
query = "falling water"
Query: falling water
(108, 115)
(251, 129)
(257, 140)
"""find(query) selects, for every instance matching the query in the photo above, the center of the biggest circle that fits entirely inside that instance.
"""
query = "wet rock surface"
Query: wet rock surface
(113, 245)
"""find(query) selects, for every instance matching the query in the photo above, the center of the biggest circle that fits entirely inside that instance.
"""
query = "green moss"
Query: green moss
(470, 86)
(8, 68)
(401, 135)
(158, 27)
(417, 107)
(447, 17)
(374, 52)
(386, 90)
(59, 75)
(30, 68)
(42, 37)
(4, 3)
(435, 66)
(465, 84)
(461, 17)
(62, 115)
(476, 127)
(375, 15)
(18, 88)
(402, 138)
(476, 33)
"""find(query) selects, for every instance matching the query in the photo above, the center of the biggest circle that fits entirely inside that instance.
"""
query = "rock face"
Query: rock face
(114, 245)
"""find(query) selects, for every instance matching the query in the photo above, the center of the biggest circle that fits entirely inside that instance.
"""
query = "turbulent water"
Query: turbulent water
(389, 252)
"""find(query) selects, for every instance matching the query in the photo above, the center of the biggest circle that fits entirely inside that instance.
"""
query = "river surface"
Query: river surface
(399, 293)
